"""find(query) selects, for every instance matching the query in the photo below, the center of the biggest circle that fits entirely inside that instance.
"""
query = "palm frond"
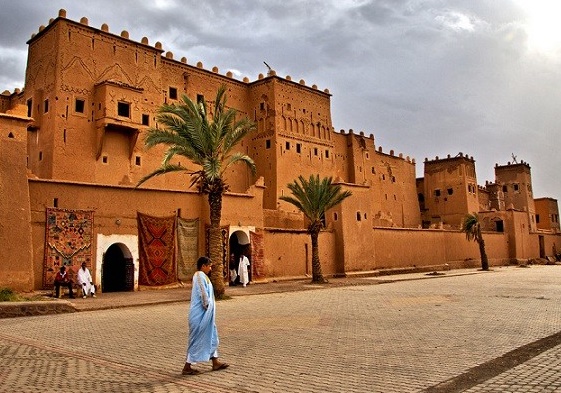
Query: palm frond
(314, 196)
(160, 171)
(471, 227)
(240, 157)
(188, 131)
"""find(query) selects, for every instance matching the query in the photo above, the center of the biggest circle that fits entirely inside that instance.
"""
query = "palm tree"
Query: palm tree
(472, 228)
(208, 141)
(314, 197)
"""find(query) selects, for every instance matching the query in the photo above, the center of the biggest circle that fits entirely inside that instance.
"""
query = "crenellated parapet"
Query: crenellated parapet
(167, 55)
(365, 145)
(460, 155)
(522, 163)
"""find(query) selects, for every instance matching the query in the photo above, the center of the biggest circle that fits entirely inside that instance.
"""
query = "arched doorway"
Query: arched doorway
(117, 269)
(239, 243)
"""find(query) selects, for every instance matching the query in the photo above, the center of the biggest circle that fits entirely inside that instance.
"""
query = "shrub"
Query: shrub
(8, 295)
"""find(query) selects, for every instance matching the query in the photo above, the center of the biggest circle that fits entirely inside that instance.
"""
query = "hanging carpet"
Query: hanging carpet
(156, 248)
(68, 242)
(187, 248)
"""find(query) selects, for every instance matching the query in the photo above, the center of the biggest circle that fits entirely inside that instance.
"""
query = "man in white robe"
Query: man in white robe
(85, 281)
(243, 271)
(203, 335)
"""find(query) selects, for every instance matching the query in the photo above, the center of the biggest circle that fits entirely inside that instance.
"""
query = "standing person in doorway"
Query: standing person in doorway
(233, 270)
(85, 281)
(203, 335)
(243, 269)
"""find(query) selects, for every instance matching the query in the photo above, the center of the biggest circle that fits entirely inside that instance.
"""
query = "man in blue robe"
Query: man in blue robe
(203, 335)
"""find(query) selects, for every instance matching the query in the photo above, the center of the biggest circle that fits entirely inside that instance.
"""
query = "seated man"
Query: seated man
(62, 279)
(85, 281)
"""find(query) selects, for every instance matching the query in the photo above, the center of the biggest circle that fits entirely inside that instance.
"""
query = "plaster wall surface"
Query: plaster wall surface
(293, 254)
(15, 233)
(548, 212)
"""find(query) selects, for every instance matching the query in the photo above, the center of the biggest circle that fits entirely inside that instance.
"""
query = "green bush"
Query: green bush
(8, 295)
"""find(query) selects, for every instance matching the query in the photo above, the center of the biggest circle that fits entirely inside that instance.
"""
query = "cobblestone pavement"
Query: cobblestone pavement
(407, 335)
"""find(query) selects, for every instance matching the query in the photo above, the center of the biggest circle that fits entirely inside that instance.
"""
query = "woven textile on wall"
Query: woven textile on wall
(68, 242)
(156, 248)
(257, 255)
(187, 248)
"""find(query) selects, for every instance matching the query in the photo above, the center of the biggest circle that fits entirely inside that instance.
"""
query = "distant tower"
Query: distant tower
(516, 182)
(450, 190)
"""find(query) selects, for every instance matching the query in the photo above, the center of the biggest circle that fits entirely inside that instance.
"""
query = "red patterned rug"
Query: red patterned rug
(68, 242)
(156, 241)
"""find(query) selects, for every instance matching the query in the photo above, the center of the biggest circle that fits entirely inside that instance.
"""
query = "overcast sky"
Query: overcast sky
(426, 77)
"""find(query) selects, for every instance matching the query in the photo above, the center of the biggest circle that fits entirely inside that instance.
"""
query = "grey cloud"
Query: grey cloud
(426, 77)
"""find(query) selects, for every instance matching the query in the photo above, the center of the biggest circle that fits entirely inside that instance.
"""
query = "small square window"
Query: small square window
(287, 145)
(104, 159)
(137, 160)
(173, 93)
(79, 105)
(437, 192)
(123, 109)
(268, 144)
(145, 120)
(515, 186)
(450, 191)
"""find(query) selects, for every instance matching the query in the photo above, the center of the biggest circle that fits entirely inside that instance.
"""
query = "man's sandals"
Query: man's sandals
(220, 366)
(192, 371)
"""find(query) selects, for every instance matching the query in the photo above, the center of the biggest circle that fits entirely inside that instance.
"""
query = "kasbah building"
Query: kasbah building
(72, 141)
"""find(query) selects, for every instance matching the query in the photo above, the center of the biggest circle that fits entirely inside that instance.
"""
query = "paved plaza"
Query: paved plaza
(495, 331)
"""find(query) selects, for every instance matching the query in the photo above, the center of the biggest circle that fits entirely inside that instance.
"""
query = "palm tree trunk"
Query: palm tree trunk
(484, 260)
(215, 243)
(317, 276)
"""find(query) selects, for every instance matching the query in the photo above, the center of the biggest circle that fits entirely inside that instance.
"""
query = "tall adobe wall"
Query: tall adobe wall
(102, 91)
(16, 266)
(83, 74)
(294, 131)
(390, 178)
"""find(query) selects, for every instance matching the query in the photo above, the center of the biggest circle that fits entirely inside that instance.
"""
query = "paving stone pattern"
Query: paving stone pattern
(407, 335)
